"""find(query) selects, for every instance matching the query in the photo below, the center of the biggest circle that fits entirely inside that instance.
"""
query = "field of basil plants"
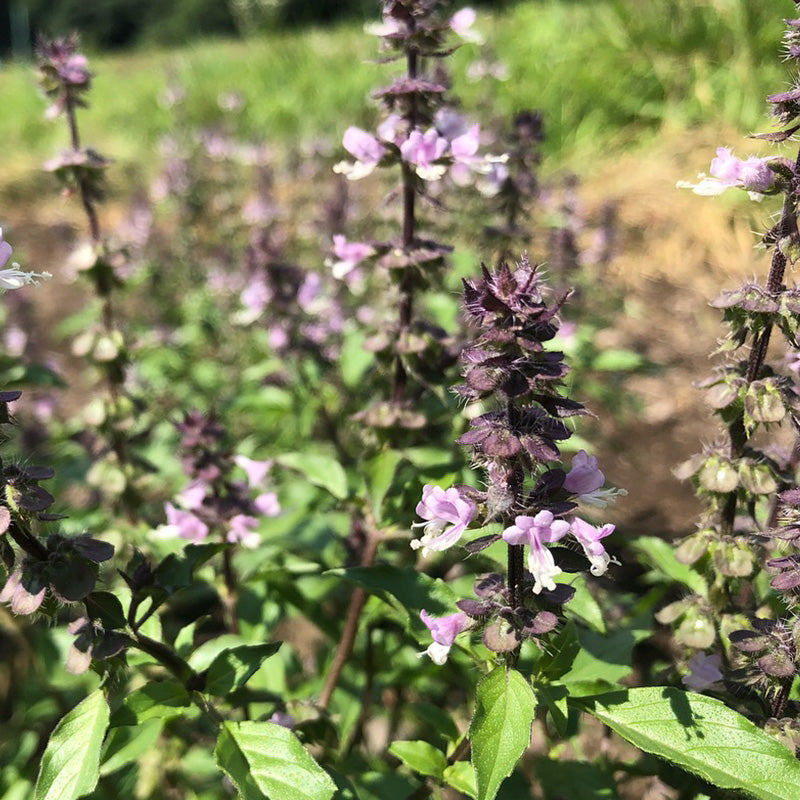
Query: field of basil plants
(388, 461)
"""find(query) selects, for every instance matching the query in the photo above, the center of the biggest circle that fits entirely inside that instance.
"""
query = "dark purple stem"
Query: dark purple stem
(409, 202)
(758, 352)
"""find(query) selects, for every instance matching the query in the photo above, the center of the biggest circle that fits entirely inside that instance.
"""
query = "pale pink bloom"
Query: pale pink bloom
(585, 480)
(444, 631)
(365, 148)
(726, 167)
(585, 476)
(309, 290)
(447, 514)
(390, 26)
(349, 255)
(267, 504)
(5, 250)
(461, 23)
(254, 297)
(22, 601)
(193, 495)
(278, 337)
(727, 171)
(74, 69)
(78, 661)
(242, 528)
(450, 123)
(422, 150)
(390, 129)
(283, 718)
(589, 537)
(536, 532)
(184, 524)
(704, 672)
(15, 340)
(496, 173)
(256, 471)
(466, 162)
(464, 147)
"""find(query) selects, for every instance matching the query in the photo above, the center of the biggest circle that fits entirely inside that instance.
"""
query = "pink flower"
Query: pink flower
(585, 480)
(242, 528)
(461, 23)
(536, 532)
(349, 255)
(704, 671)
(193, 495)
(585, 476)
(389, 129)
(389, 27)
(753, 174)
(727, 171)
(75, 69)
(442, 508)
(184, 524)
(444, 631)
(283, 718)
(422, 150)
(22, 600)
(309, 291)
(256, 471)
(267, 504)
(365, 148)
(495, 174)
(79, 659)
(464, 147)
(589, 537)
(5, 250)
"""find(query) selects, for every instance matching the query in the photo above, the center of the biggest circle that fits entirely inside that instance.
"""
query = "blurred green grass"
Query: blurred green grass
(606, 74)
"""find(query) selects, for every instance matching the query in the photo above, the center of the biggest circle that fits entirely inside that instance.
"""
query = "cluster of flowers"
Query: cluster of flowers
(744, 473)
(515, 444)
(65, 79)
(214, 500)
(429, 141)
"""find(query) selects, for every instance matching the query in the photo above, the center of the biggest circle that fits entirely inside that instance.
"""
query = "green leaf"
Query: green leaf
(420, 756)
(579, 780)
(71, 761)
(153, 700)
(355, 359)
(107, 608)
(501, 728)
(321, 470)
(176, 571)
(20, 790)
(559, 657)
(583, 605)
(232, 668)
(607, 658)
(204, 655)
(127, 743)
(262, 758)
(554, 697)
(461, 777)
(661, 556)
(617, 360)
(380, 472)
(703, 736)
(405, 589)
